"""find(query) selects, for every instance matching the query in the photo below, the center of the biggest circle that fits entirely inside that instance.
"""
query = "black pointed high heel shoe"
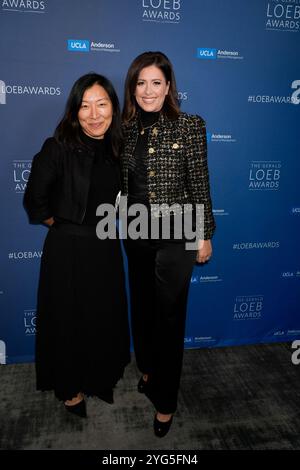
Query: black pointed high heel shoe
(79, 409)
(160, 428)
(142, 385)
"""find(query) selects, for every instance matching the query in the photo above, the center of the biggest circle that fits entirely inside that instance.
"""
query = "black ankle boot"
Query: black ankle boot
(142, 385)
(79, 409)
(160, 428)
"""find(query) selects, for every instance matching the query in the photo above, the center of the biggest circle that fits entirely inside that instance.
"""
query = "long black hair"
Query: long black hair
(68, 130)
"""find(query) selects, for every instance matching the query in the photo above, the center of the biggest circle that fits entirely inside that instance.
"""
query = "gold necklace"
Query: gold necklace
(143, 129)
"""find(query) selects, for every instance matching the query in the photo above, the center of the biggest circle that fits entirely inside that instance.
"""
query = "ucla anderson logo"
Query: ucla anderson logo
(205, 53)
(78, 45)
(218, 137)
(85, 45)
(295, 210)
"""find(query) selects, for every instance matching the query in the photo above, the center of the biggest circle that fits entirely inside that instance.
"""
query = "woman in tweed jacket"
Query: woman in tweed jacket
(164, 164)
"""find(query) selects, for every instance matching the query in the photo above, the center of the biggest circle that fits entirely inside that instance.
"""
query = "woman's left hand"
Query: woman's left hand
(204, 251)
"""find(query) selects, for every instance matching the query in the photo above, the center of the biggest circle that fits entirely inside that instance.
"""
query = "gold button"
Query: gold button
(152, 173)
(151, 150)
(155, 132)
(175, 146)
(152, 194)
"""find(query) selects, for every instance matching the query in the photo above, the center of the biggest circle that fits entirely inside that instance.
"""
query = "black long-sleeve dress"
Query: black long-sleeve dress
(82, 342)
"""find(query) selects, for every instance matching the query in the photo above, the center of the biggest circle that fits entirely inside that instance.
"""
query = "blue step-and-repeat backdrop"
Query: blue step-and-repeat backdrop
(237, 65)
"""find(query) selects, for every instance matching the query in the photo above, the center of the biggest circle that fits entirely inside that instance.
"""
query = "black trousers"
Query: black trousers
(159, 277)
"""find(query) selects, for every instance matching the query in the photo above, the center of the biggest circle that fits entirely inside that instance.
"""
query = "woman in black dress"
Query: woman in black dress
(82, 342)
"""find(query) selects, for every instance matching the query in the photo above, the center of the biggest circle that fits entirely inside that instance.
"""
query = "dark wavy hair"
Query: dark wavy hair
(146, 59)
(68, 130)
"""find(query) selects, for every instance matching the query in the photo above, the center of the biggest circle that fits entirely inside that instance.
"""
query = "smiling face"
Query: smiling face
(151, 89)
(96, 112)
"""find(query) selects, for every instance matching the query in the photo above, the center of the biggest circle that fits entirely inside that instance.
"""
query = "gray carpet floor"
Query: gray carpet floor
(232, 398)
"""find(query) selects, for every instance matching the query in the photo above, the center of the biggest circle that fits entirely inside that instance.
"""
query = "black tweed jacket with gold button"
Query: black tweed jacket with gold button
(177, 165)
